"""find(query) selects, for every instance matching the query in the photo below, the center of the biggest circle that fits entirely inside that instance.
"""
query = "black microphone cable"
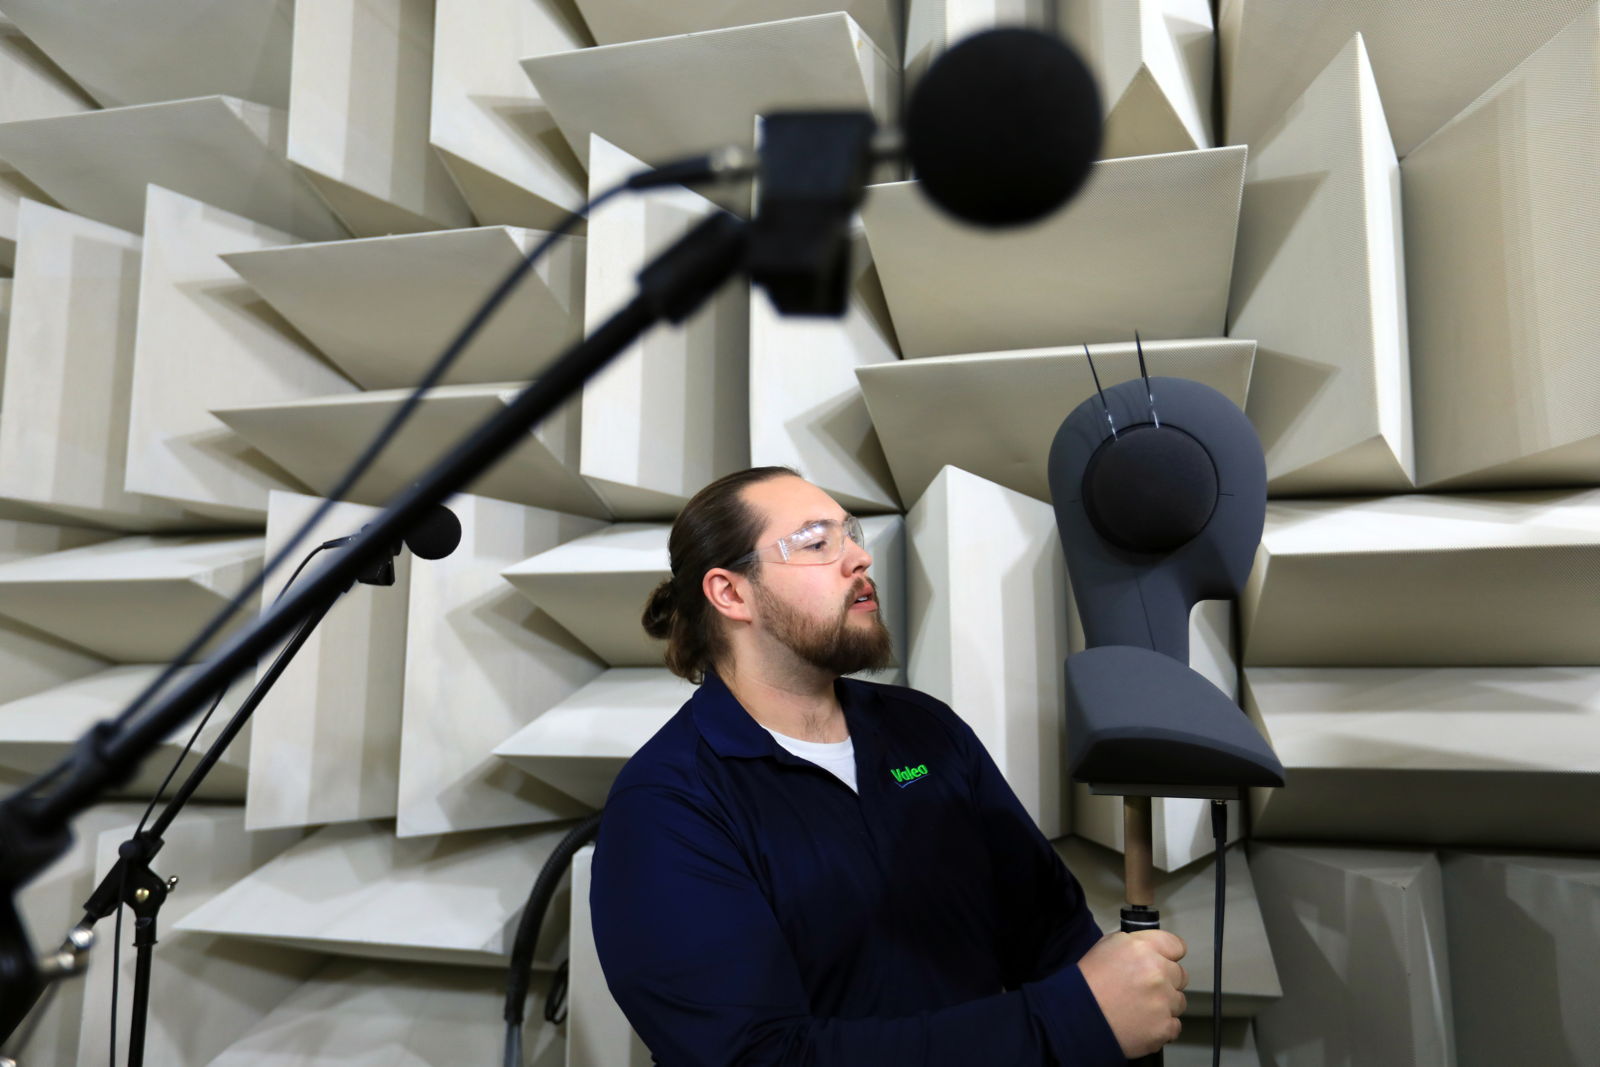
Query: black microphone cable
(520, 974)
(1219, 830)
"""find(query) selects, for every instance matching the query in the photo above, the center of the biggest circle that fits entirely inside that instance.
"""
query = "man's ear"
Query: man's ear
(729, 593)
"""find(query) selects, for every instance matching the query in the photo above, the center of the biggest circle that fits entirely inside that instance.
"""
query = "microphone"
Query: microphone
(433, 536)
(1001, 131)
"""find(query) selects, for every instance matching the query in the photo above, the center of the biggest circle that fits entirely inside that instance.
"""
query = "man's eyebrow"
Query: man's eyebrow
(813, 522)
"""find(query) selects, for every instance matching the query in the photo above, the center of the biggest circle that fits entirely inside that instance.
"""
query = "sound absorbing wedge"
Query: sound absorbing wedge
(990, 640)
(1495, 756)
(64, 408)
(580, 744)
(678, 96)
(614, 21)
(352, 1013)
(480, 663)
(326, 741)
(31, 661)
(204, 992)
(494, 133)
(1359, 939)
(1431, 58)
(806, 410)
(1184, 898)
(598, 1034)
(1153, 224)
(453, 898)
(315, 440)
(934, 25)
(217, 149)
(1500, 232)
(38, 731)
(596, 587)
(1507, 579)
(204, 340)
(1319, 285)
(358, 115)
(994, 414)
(670, 413)
(383, 309)
(1180, 826)
(1524, 948)
(165, 49)
(132, 600)
(31, 87)
(1152, 60)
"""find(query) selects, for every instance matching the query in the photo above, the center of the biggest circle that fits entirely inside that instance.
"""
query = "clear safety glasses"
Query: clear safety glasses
(818, 543)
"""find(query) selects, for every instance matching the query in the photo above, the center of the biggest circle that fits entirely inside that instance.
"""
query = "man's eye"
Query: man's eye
(816, 546)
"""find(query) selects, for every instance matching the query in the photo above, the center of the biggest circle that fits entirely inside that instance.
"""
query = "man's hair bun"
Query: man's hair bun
(658, 611)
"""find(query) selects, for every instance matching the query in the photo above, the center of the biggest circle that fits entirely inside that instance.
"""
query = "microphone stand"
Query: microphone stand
(1138, 876)
(35, 823)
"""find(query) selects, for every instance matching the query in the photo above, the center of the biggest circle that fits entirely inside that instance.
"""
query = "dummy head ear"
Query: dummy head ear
(1150, 488)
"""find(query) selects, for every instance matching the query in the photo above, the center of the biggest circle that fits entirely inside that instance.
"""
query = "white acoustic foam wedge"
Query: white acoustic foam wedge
(1471, 580)
(218, 149)
(480, 663)
(358, 115)
(357, 890)
(1524, 955)
(994, 414)
(989, 640)
(1359, 939)
(326, 741)
(204, 340)
(39, 730)
(65, 407)
(316, 440)
(494, 133)
(132, 600)
(1500, 269)
(614, 21)
(356, 1013)
(670, 413)
(1431, 58)
(1147, 245)
(1488, 756)
(32, 661)
(1319, 285)
(165, 49)
(1152, 61)
(806, 408)
(385, 308)
(677, 96)
(579, 745)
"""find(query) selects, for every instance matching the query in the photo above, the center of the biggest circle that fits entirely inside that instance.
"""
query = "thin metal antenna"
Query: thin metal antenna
(1146, 376)
(1109, 420)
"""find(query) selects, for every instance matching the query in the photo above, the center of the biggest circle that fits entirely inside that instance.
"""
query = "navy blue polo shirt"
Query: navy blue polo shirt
(750, 909)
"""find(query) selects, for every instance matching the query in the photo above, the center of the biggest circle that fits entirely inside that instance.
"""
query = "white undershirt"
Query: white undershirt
(836, 757)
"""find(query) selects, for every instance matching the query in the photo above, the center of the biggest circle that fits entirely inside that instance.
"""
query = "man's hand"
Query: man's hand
(1138, 983)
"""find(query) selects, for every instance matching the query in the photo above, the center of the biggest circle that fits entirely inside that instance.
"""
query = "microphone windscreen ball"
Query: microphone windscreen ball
(435, 535)
(1004, 127)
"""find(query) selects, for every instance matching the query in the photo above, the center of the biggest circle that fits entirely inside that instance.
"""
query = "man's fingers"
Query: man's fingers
(1165, 942)
(1176, 974)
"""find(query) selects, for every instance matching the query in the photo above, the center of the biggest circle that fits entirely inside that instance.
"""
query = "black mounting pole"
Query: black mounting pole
(35, 822)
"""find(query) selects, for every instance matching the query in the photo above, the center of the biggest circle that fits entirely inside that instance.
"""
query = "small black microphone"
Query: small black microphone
(434, 536)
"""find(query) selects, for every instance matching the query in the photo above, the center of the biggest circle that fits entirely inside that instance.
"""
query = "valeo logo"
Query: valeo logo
(906, 775)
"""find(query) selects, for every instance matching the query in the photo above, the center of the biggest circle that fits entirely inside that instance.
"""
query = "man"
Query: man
(805, 869)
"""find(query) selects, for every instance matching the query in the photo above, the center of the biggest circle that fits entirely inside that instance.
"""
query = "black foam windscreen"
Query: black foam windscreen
(1004, 126)
(1150, 488)
(435, 535)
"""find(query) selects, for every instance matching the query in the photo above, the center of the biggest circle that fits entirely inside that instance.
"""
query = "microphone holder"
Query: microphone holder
(35, 823)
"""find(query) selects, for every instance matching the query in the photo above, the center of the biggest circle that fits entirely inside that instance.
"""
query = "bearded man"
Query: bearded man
(802, 868)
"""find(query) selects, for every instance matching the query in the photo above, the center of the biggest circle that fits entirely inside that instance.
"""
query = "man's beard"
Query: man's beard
(839, 647)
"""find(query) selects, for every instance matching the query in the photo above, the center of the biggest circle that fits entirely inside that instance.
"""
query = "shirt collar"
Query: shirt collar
(730, 730)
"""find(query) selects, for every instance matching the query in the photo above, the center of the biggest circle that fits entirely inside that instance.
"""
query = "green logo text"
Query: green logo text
(906, 775)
